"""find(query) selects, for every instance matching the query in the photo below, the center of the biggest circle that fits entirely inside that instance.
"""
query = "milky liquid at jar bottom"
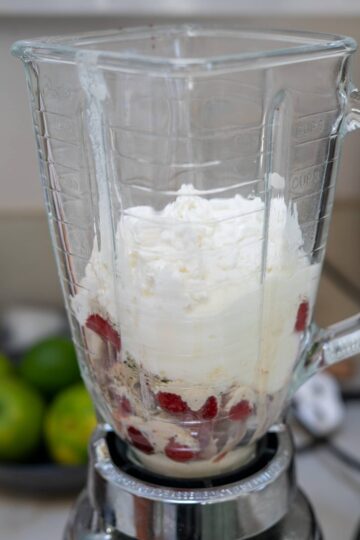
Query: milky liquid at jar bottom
(193, 335)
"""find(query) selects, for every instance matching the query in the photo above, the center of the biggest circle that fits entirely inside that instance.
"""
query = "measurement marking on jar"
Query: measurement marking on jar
(71, 225)
(75, 284)
(56, 140)
(84, 258)
(308, 178)
(207, 135)
(313, 194)
(314, 126)
(143, 158)
(56, 163)
(69, 186)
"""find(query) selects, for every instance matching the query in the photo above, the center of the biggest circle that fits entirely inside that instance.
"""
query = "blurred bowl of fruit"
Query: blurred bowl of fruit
(46, 420)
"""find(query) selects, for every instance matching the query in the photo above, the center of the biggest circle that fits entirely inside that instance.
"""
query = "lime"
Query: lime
(68, 425)
(21, 419)
(50, 365)
(6, 367)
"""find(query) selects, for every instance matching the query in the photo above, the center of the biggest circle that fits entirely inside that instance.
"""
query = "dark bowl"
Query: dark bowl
(41, 477)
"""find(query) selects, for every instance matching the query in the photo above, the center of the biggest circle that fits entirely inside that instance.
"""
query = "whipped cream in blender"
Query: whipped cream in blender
(194, 326)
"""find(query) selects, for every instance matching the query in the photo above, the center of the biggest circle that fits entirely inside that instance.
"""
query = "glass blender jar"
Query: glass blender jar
(189, 176)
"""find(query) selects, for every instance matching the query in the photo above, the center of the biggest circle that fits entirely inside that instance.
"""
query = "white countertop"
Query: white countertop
(333, 489)
(25, 519)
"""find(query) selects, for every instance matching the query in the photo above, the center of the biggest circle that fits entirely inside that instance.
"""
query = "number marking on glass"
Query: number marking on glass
(314, 126)
(307, 180)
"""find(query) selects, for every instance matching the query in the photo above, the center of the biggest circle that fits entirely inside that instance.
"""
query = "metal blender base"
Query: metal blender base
(262, 502)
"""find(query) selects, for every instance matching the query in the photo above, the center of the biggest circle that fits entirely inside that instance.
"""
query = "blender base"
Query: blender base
(259, 502)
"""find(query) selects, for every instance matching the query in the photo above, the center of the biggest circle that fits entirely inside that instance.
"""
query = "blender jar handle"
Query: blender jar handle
(341, 340)
(337, 342)
(352, 120)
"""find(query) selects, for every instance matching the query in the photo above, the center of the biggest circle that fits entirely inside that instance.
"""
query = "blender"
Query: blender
(189, 176)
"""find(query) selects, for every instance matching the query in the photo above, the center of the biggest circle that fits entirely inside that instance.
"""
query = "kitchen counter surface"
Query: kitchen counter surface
(26, 519)
(333, 488)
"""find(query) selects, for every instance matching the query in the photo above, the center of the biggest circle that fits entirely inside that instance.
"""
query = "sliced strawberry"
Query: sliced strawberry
(104, 329)
(139, 440)
(124, 406)
(179, 452)
(240, 411)
(120, 404)
(210, 408)
(302, 316)
(172, 403)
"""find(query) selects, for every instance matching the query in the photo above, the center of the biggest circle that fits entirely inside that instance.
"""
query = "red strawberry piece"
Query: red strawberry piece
(240, 411)
(172, 403)
(124, 406)
(302, 316)
(120, 404)
(179, 452)
(139, 440)
(210, 408)
(104, 329)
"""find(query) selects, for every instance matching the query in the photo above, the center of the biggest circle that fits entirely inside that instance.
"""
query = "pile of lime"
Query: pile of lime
(44, 402)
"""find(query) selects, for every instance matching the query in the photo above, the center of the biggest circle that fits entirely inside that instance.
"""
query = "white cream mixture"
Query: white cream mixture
(205, 294)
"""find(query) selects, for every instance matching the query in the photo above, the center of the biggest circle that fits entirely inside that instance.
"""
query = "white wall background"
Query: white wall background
(20, 187)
